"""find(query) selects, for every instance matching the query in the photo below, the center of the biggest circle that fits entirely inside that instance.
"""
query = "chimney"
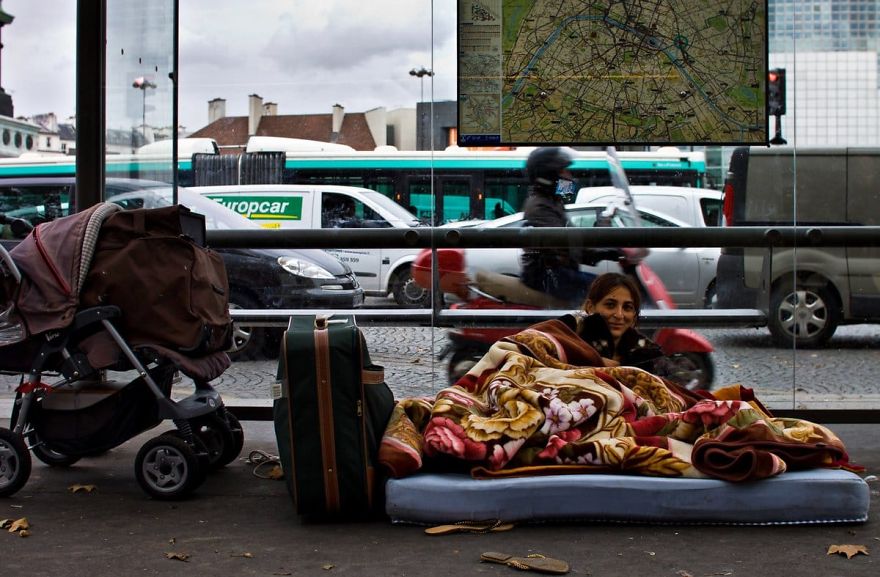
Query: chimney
(270, 109)
(336, 128)
(255, 112)
(216, 109)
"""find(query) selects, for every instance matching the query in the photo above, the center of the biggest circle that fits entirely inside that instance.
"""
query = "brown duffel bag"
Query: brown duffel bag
(172, 290)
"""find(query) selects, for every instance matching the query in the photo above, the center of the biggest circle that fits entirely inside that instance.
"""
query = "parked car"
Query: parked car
(688, 273)
(381, 271)
(695, 206)
(263, 278)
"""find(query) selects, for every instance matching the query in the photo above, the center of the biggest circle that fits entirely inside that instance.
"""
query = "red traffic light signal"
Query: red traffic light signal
(776, 91)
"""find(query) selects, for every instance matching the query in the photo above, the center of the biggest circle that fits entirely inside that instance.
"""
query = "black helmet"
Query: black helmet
(544, 165)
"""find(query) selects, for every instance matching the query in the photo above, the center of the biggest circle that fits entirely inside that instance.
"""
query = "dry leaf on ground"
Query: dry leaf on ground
(85, 488)
(245, 555)
(19, 525)
(848, 550)
(177, 556)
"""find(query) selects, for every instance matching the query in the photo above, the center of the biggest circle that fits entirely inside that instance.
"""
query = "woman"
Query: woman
(607, 322)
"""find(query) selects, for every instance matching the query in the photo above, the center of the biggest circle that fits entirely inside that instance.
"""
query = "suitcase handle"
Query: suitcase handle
(321, 321)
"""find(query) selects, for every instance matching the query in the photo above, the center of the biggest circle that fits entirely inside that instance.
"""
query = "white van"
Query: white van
(695, 206)
(380, 271)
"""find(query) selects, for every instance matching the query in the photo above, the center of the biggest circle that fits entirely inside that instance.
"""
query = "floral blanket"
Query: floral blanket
(539, 402)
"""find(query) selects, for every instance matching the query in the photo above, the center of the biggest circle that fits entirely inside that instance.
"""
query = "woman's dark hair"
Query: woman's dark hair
(605, 283)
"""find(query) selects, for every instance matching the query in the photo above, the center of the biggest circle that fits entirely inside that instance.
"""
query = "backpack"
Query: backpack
(173, 291)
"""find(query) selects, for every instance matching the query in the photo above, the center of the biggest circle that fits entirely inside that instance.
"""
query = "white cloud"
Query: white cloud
(305, 55)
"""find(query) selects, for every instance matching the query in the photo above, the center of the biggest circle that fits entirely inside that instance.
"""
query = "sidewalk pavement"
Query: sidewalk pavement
(238, 524)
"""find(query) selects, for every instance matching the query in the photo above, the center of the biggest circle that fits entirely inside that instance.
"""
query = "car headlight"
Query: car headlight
(302, 268)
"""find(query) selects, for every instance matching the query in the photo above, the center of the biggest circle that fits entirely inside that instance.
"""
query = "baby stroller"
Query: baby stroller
(47, 333)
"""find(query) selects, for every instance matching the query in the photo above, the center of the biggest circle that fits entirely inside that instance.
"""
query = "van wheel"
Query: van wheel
(808, 315)
(407, 293)
(248, 343)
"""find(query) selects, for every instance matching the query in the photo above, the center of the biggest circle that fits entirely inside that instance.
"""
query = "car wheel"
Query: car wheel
(407, 293)
(807, 315)
(248, 343)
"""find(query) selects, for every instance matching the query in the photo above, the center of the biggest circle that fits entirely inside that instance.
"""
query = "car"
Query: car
(688, 273)
(381, 271)
(262, 278)
(695, 206)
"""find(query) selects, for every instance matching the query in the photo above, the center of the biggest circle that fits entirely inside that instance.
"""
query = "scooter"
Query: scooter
(689, 353)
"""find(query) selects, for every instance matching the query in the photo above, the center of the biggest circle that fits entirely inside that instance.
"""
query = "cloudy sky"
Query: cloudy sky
(304, 55)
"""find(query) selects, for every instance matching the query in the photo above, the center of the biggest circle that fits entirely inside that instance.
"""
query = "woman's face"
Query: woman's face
(618, 310)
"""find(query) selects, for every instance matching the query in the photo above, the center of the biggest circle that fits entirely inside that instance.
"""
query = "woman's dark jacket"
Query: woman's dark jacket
(634, 348)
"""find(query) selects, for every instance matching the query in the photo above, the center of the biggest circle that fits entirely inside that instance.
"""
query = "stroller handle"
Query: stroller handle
(21, 227)
(10, 264)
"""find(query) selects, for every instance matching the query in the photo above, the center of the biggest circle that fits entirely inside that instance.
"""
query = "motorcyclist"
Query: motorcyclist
(554, 271)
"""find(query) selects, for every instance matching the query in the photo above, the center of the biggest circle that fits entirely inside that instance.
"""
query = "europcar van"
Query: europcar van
(695, 206)
(809, 291)
(379, 271)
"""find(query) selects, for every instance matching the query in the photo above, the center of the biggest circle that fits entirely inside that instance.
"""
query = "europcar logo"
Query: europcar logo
(262, 207)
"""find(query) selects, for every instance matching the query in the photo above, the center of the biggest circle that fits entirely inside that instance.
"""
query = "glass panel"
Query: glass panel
(381, 119)
(140, 89)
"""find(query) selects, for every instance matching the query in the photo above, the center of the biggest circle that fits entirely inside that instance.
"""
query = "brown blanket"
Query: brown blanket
(540, 402)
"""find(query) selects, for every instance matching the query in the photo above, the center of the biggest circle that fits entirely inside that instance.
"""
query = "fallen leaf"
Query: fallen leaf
(327, 567)
(77, 488)
(848, 550)
(245, 555)
(275, 473)
(24, 533)
(19, 525)
(177, 556)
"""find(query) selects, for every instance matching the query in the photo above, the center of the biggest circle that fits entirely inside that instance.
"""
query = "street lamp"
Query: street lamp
(142, 83)
(421, 73)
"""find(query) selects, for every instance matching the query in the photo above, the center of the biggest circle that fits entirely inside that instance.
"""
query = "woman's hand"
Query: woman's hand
(609, 362)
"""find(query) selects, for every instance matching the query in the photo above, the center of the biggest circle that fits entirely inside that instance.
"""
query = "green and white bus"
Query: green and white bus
(436, 186)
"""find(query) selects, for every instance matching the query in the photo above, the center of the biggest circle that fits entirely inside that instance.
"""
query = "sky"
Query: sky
(303, 55)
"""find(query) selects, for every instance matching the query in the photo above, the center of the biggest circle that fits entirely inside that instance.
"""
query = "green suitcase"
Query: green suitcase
(333, 408)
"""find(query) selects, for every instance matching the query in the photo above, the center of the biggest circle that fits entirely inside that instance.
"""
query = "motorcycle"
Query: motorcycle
(689, 354)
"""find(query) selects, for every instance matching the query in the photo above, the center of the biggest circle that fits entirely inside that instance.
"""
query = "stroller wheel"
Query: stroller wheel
(47, 454)
(233, 449)
(214, 440)
(167, 468)
(15, 463)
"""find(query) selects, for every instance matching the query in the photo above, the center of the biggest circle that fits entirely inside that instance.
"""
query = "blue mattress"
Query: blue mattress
(801, 497)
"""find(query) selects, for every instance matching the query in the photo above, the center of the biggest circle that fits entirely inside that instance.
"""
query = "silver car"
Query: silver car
(688, 273)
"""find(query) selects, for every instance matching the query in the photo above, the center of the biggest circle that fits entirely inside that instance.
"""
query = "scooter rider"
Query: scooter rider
(552, 270)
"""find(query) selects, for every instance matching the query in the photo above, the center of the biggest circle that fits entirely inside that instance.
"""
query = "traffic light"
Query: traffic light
(776, 92)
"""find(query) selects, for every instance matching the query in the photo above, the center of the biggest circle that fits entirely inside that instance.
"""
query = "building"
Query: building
(829, 51)
(359, 130)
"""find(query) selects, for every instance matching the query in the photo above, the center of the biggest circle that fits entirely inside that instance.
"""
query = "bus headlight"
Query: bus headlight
(302, 268)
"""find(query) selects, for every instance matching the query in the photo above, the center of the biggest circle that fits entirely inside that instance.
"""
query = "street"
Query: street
(841, 375)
